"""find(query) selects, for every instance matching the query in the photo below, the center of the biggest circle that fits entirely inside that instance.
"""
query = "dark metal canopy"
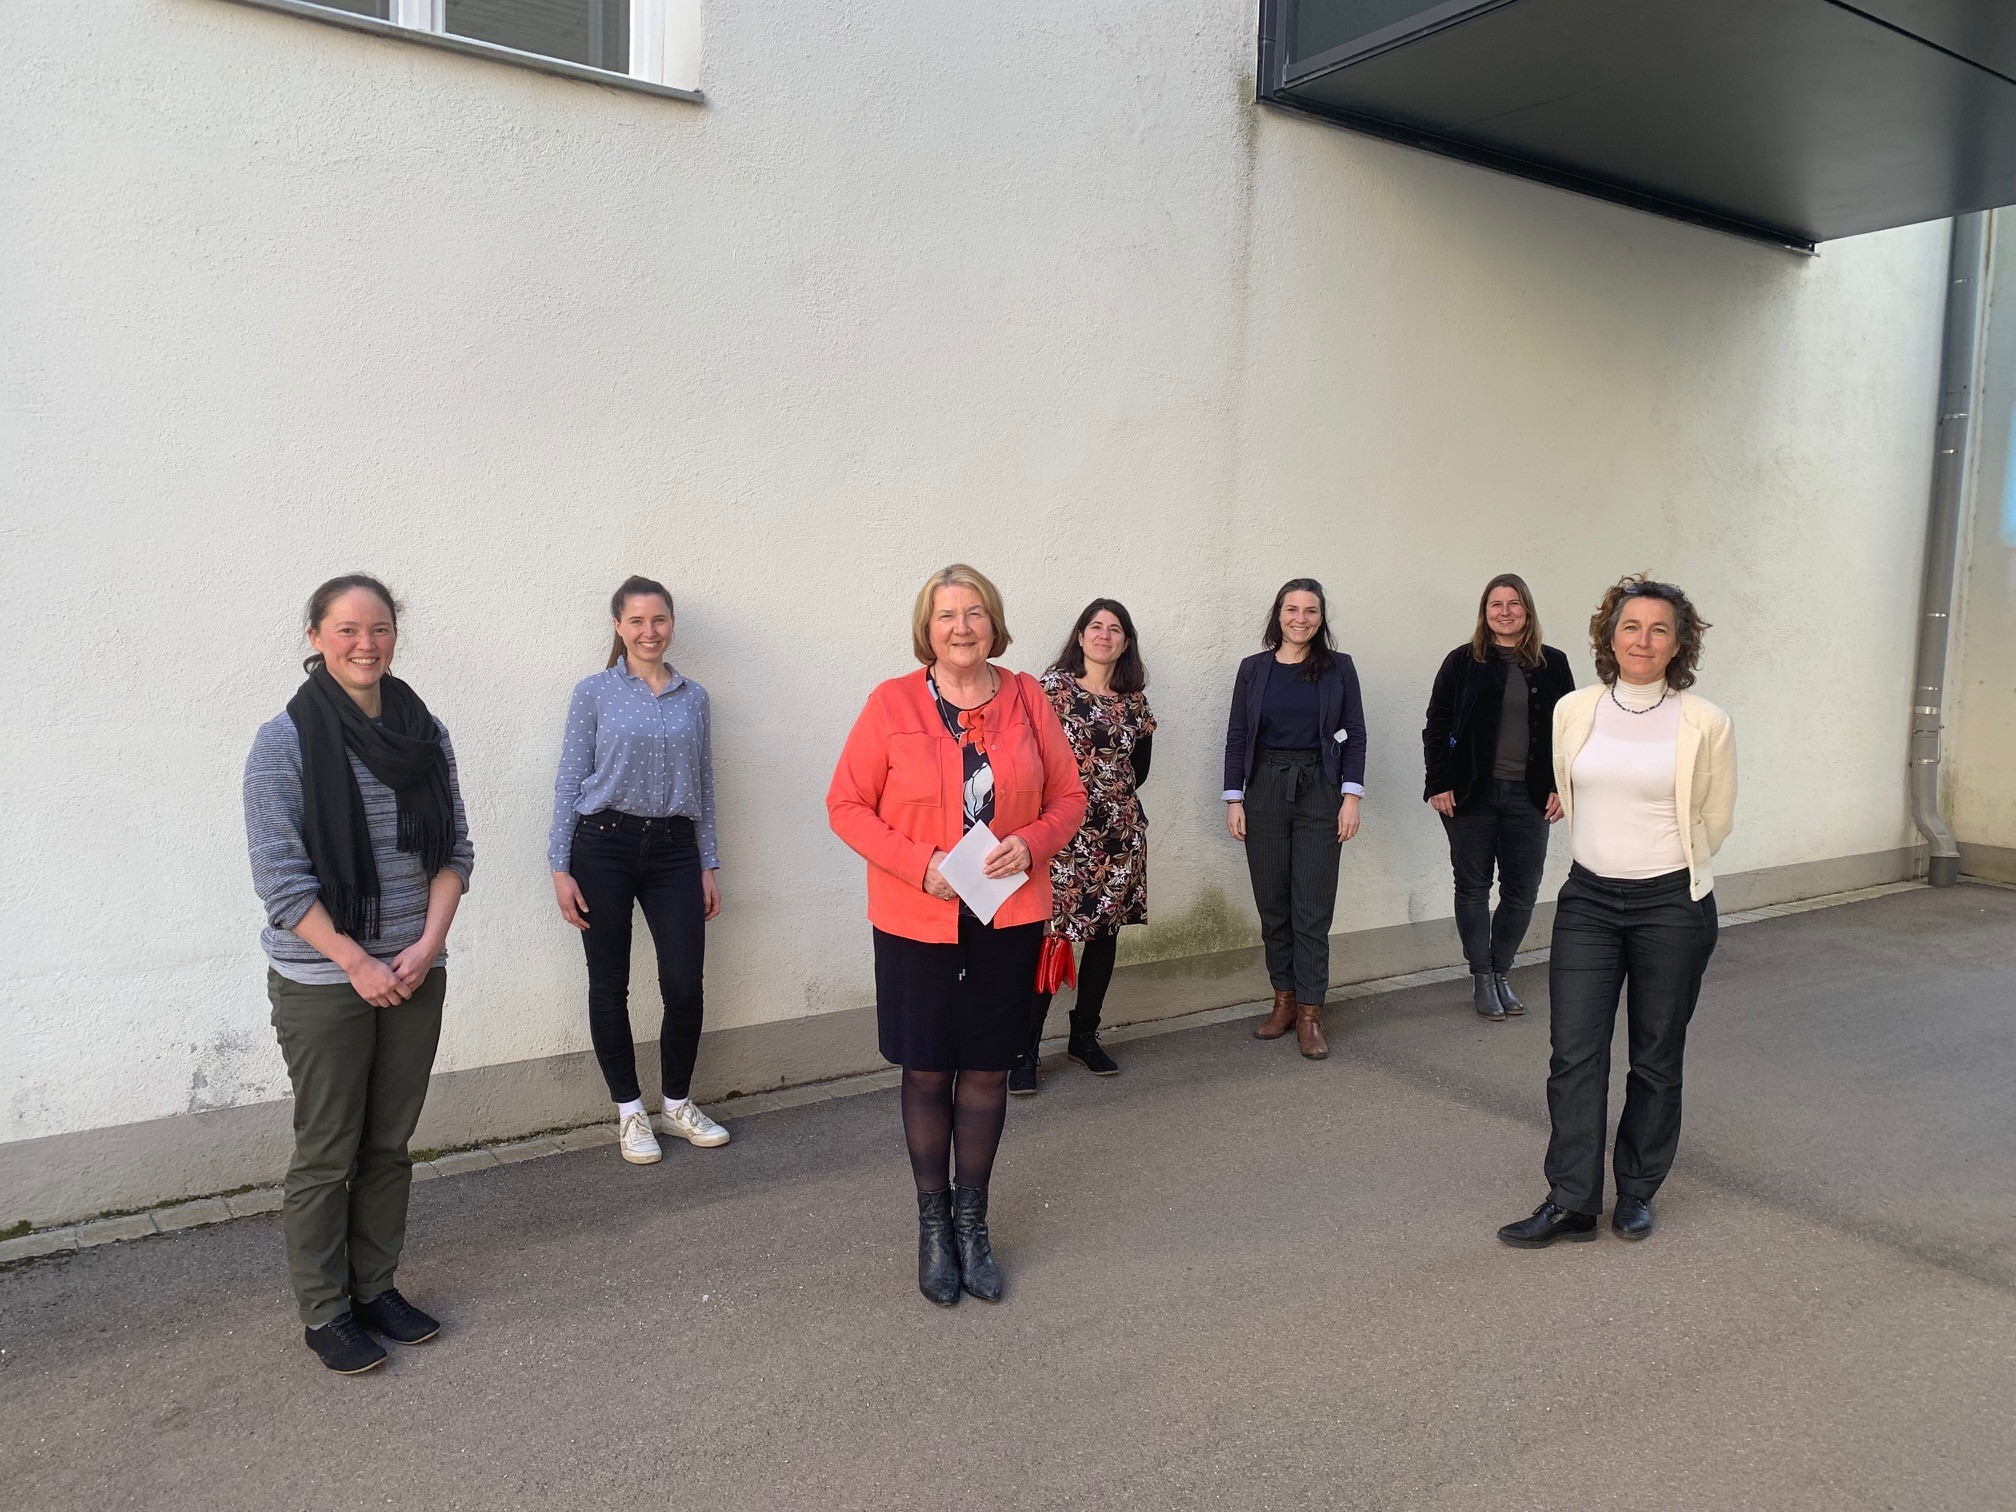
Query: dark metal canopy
(1793, 121)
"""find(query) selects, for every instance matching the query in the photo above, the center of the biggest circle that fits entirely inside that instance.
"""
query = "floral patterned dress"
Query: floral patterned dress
(1100, 880)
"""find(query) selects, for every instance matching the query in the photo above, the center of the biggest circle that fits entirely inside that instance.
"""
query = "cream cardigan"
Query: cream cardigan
(1704, 773)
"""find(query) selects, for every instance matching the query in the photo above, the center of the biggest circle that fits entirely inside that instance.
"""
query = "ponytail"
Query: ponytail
(633, 587)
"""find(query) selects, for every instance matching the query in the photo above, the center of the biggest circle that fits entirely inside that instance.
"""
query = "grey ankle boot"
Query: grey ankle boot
(937, 1252)
(1484, 991)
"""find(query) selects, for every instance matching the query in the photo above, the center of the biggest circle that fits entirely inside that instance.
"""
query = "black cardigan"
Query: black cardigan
(1338, 707)
(1460, 739)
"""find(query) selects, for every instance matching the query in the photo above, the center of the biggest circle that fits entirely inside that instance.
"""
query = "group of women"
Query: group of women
(360, 852)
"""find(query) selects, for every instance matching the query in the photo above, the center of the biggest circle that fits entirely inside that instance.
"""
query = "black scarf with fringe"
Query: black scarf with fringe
(402, 749)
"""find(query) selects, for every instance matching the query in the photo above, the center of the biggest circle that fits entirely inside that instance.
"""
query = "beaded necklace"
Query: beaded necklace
(1663, 696)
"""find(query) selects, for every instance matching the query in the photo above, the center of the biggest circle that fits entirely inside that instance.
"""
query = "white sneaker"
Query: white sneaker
(635, 1139)
(693, 1126)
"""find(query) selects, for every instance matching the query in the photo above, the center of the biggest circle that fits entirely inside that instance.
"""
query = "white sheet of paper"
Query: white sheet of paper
(964, 868)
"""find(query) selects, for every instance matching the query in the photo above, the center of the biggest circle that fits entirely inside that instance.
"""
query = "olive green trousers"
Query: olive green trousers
(360, 1076)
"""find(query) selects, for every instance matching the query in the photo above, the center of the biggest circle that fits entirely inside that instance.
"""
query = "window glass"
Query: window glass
(379, 9)
(1323, 24)
(594, 32)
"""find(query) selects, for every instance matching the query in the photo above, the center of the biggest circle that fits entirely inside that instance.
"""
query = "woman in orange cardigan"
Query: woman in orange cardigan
(957, 743)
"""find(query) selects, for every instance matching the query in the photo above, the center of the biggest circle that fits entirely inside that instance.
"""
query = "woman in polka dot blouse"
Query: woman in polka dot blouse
(633, 823)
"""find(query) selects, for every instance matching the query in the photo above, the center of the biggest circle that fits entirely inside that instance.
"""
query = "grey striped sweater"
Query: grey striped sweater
(287, 885)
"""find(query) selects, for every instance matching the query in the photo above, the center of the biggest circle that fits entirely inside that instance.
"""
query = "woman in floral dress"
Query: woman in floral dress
(1099, 882)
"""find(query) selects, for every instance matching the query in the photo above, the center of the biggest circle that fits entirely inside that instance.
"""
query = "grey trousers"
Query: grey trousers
(1291, 855)
(360, 1075)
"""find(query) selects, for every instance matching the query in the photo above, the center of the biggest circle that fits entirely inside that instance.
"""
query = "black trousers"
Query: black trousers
(618, 862)
(1497, 830)
(1291, 855)
(1095, 975)
(1652, 942)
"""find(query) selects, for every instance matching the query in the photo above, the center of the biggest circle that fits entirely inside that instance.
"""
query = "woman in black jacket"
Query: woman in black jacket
(1489, 744)
(1294, 772)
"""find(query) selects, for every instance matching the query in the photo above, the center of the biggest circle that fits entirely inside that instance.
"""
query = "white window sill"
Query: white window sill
(471, 48)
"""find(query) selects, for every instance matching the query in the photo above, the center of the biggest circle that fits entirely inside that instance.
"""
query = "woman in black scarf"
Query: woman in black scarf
(361, 854)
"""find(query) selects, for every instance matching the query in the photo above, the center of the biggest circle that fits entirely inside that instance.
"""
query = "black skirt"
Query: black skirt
(961, 1007)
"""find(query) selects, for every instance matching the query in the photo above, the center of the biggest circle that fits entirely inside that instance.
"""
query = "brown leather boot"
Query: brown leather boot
(1309, 1032)
(1280, 1021)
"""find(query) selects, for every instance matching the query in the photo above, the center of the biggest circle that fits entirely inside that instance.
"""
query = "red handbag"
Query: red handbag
(1056, 966)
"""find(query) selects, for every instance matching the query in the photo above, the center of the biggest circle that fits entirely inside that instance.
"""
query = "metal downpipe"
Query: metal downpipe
(1966, 286)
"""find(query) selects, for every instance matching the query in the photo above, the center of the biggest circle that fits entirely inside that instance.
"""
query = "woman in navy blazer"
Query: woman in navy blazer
(1294, 772)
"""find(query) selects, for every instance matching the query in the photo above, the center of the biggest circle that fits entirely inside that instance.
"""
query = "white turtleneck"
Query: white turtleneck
(1627, 820)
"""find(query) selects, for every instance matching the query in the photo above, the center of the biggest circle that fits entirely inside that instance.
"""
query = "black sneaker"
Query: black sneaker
(1089, 1054)
(1022, 1077)
(400, 1321)
(343, 1346)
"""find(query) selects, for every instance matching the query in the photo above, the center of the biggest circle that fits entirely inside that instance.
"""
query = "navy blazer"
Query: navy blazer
(1340, 709)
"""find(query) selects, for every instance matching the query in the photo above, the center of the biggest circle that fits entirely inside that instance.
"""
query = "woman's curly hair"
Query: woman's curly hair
(1687, 621)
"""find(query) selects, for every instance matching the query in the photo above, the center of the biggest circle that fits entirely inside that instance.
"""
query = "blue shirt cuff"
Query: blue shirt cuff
(1356, 789)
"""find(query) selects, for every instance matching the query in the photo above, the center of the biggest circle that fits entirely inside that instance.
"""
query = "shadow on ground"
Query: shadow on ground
(1239, 1280)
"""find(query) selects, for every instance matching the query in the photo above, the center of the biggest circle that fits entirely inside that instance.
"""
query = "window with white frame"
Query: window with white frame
(654, 40)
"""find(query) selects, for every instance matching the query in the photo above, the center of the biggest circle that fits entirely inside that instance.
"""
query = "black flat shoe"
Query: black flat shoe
(343, 1346)
(392, 1315)
(1632, 1217)
(977, 1271)
(1091, 1055)
(1484, 997)
(1022, 1078)
(1547, 1224)
(1506, 996)
(937, 1255)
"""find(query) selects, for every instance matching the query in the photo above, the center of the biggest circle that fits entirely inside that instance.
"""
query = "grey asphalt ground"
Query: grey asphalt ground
(1238, 1280)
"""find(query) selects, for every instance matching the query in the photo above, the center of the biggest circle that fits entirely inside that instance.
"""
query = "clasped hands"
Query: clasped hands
(1005, 860)
(385, 984)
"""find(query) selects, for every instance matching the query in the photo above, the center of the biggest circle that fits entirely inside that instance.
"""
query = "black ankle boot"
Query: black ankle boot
(1484, 990)
(977, 1270)
(937, 1257)
(1506, 995)
(1022, 1075)
(1089, 1053)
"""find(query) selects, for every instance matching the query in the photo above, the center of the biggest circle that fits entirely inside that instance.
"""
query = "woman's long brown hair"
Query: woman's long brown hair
(1482, 640)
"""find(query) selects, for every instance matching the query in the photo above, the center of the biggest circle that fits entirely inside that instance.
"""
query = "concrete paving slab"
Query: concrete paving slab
(191, 1214)
(458, 1161)
(1237, 1280)
(524, 1149)
(32, 1246)
(112, 1230)
(251, 1204)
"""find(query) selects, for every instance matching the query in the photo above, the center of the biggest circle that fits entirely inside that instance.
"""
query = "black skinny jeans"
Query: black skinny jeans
(1652, 942)
(620, 860)
(1498, 829)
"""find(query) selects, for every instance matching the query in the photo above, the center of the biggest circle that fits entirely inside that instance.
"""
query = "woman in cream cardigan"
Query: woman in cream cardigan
(1647, 776)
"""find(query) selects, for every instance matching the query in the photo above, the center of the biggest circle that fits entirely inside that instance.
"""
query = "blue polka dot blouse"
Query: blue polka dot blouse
(644, 754)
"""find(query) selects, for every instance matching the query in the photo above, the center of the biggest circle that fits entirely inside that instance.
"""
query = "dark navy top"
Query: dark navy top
(1289, 717)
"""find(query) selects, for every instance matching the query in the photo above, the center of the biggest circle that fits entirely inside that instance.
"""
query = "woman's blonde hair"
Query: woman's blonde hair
(958, 575)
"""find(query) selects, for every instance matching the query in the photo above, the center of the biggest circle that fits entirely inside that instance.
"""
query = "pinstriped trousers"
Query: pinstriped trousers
(1291, 855)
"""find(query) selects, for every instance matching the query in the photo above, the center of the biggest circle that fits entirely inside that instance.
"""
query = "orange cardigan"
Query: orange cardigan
(898, 796)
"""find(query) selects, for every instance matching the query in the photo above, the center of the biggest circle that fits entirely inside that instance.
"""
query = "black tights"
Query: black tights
(1095, 975)
(944, 1111)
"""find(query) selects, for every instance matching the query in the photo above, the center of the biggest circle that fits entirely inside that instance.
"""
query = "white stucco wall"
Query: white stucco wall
(1034, 286)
